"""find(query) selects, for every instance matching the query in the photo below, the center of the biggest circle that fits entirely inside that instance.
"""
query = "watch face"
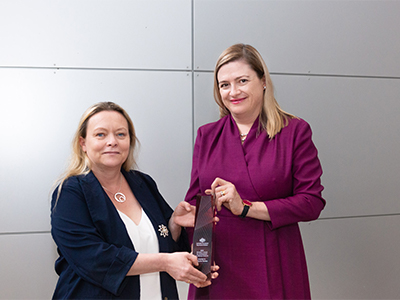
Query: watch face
(246, 202)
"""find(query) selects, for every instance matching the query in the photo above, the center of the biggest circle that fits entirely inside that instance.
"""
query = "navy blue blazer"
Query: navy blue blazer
(95, 251)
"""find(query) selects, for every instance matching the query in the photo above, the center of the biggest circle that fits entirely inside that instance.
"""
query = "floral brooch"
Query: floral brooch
(163, 230)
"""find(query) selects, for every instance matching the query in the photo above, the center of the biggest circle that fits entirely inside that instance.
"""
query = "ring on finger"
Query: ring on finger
(222, 193)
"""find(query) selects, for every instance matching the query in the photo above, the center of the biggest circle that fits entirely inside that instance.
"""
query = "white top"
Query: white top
(144, 240)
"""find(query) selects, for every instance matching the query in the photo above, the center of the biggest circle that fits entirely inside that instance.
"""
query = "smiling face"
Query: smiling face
(241, 90)
(107, 141)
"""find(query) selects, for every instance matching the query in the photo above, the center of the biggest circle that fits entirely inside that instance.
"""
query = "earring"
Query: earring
(265, 87)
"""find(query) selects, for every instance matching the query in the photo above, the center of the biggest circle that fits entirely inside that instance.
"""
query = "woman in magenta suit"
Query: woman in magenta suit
(262, 166)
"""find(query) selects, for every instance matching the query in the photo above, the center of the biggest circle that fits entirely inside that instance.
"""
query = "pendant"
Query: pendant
(119, 197)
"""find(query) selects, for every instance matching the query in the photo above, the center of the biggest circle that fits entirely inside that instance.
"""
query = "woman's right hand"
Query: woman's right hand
(181, 266)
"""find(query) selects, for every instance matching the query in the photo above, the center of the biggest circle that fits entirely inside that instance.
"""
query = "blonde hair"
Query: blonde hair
(79, 163)
(272, 117)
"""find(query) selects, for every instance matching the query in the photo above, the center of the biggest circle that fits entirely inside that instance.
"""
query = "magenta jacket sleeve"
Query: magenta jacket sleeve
(306, 203)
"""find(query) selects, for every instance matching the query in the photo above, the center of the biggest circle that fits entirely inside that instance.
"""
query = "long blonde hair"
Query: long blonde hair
(79, 163)
(272, 117)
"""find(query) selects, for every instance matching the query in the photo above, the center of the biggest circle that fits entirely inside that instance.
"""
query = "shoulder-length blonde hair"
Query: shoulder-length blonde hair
(272, 117)
(79, 163)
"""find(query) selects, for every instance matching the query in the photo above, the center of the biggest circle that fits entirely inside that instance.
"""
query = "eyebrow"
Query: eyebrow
(236, 78)
(105, 129)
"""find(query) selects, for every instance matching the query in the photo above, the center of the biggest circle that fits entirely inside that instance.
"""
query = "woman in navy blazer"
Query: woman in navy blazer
(94, 205)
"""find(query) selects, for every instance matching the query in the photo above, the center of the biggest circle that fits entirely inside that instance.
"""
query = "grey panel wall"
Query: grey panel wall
(303, 36)
(353, 258)
(96, 34)
(334, 63)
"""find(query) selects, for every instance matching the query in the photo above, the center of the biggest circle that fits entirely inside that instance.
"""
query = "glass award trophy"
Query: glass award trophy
(203, 233)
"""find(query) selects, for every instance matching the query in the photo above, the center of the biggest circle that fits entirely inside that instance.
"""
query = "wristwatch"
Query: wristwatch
(246, 206)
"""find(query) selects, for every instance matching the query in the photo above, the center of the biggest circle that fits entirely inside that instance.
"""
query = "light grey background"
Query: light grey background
(334, 63)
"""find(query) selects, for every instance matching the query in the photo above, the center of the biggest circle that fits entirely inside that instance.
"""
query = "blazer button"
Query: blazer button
(165, 298)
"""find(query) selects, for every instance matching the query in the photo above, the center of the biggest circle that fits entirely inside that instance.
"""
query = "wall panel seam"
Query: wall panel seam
(320, 75)
(24, 232)
(95, 69)
(358, 217)
(193, 71)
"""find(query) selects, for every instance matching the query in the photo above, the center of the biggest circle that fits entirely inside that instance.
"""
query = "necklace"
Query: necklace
(118, 196)
(243, 136)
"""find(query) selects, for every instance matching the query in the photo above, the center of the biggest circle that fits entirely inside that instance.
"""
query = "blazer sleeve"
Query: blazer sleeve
(81, 243)
(306, 202)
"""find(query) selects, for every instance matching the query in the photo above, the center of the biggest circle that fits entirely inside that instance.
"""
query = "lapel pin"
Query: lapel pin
(163, 230)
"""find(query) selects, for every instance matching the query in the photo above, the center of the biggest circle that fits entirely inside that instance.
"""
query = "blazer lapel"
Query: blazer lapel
(103, 212)
(149, 204)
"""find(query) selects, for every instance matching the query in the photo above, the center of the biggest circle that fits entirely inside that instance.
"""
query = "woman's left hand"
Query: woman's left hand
(226, 194)
(184, 214)
(214, 274)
